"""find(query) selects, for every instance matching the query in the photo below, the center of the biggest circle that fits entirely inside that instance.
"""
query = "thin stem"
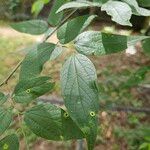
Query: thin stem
(63, 21)
(11, 74)
(19, 64)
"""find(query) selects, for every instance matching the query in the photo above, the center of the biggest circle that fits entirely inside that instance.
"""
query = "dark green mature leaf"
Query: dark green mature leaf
(3, 98)
(136, 78)
(35, 59)
(146, 46)
(55, 18)
(34, 27)
(120, 12)
(5, 119)
(136, 9)
(94, 42)
(9, 142)
(52, 123)
(29, 89)
(82, 4)
(78, 83)
(114, 43)
(72, 28)
(144, 3)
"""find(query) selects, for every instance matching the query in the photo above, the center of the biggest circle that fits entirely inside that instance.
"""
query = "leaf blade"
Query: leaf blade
(30, 89)
(73, 27)
(34, 27)
(99, 43)
(119, 11)
(50, 122)
(5, 119)
(33, 63)
(10, 142)
(3, 98)
(83, 4)
(76, 86)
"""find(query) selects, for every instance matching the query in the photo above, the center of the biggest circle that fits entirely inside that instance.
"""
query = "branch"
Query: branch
(19, 64)
(11, 74)
(63, 21)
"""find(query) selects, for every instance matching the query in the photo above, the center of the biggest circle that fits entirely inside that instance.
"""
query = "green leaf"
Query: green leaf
(78, 83)
(144, 3)
(90, 42)
(9, 142)
(3, 98)
(56, 52)
(136, 78)
(72, 28)
(146, 46)
(5, 119)
(34, 27)
(98, 43)
(100, 1)
(30, 89)
(114, 43)
(52, 123)
(35, 59)
(120, 12)
(82, 4)
(37, 7)
(55, 18)
(136, 9)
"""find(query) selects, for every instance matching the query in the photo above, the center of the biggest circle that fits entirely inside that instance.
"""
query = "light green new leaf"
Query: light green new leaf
(136, 9)
(37, 7)
(3, 98)
(52, 123)
(55, 18)
(33, 63)
(97, 43)
(30, 89)
(34, 27)
(10, 142)
(82, 4)
(5, 119)
(120, 12)
(72, 28)
(78, 83)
